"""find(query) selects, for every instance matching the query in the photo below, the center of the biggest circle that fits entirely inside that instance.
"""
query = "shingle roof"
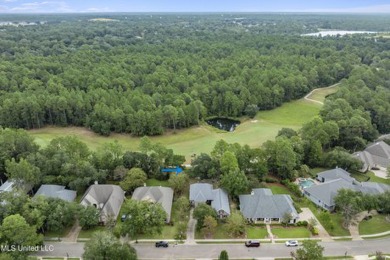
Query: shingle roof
(162, 195)
(376, 154)
(220, 201)
(56, 191)
(7, 186)
(366, 158)
(372, 187)
(107, 198)
(325, 192)
(335, 174)
(201, 192)
(263, 204)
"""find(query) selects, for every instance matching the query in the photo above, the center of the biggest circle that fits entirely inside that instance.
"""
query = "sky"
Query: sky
(76, 6)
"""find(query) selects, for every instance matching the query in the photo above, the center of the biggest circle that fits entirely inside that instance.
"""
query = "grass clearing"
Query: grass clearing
(321, 93)
(155, 182)
(377, 224)
(290, 232)
(256, 232)
(198, 139)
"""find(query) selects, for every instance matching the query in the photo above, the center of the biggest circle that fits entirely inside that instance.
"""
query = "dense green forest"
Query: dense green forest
(144, 73)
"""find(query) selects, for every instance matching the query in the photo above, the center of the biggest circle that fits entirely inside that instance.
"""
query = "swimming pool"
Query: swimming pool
(306, 183)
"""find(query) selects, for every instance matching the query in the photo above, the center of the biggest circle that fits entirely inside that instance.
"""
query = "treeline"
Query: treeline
(139, 77)
(68, 161)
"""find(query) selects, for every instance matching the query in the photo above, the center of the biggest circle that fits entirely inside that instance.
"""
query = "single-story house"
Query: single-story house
(323, 194)
(334, 174)
(6, 186)
(106, 198)
(56, 191)
(216, 198)
(376, 155)
(9, 186)
(161, 195)
(263, 206)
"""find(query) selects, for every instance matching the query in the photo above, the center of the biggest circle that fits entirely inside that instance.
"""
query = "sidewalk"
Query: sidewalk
(306, 214)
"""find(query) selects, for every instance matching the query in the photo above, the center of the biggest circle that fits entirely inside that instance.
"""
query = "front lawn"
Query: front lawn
(377, 224)
(56, 234)
(89, 232)
(338, 229)
(256, 232)
(290, 232)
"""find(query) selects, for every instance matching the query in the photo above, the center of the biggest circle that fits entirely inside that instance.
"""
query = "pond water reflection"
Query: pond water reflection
(223, 123)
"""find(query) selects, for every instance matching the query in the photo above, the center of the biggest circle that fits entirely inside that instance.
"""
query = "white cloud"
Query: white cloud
(42, 7)
(98, 10)
(8, 1)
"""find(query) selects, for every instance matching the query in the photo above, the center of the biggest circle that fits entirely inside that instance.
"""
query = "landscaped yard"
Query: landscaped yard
(88, 233)
(369, 176)
(256, 232)
(377, 224)
(278, 188)
(56, 234)
(290, 232)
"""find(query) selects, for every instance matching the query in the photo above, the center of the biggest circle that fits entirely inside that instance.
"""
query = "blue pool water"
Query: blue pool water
(306, 183)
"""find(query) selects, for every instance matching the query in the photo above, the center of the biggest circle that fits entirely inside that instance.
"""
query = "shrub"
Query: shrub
(270, 180)
(314, 231)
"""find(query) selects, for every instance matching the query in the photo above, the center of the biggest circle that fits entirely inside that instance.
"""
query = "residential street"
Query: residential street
(148, 251)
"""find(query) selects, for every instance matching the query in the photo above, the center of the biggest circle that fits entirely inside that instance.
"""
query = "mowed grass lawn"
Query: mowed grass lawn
(199, 139)
(290, 232)
(256, 232)
(321, 93)
(377, 224)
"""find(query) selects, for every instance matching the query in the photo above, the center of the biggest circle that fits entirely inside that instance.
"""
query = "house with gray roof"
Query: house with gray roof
(334, 174)
(217, 198)
(220, 203)
(106, 198)
(334, 180)
(323, 194)
(263, 206)
(6, 186)
(376, 155)
(161, 195)
(56, 191)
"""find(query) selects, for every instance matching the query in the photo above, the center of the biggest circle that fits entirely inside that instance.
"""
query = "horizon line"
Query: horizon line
(199, 12)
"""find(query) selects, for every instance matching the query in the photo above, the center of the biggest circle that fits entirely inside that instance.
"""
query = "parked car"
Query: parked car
(292, 243)
(252, 243)
(162, 244)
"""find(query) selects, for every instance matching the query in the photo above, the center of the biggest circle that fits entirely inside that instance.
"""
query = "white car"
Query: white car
(292, 243)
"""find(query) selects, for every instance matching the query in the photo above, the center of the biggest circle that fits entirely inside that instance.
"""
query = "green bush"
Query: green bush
(270, 180)
(314, 231)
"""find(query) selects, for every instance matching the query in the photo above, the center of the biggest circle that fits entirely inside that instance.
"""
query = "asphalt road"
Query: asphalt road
(148, 251)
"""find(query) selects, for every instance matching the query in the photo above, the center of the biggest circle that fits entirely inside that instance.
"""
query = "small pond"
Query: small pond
(223, 123)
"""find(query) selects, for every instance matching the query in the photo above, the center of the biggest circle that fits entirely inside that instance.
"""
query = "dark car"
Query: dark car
(162, 244)
(123, 217)
(252, 243)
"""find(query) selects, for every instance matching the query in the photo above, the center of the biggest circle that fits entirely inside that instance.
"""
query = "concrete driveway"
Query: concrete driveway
(307, 214)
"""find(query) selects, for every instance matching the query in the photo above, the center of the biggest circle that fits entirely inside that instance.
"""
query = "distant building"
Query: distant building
(9, 185)
(106, 198)
(263, 206)
(56, 191)
(376, 155)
